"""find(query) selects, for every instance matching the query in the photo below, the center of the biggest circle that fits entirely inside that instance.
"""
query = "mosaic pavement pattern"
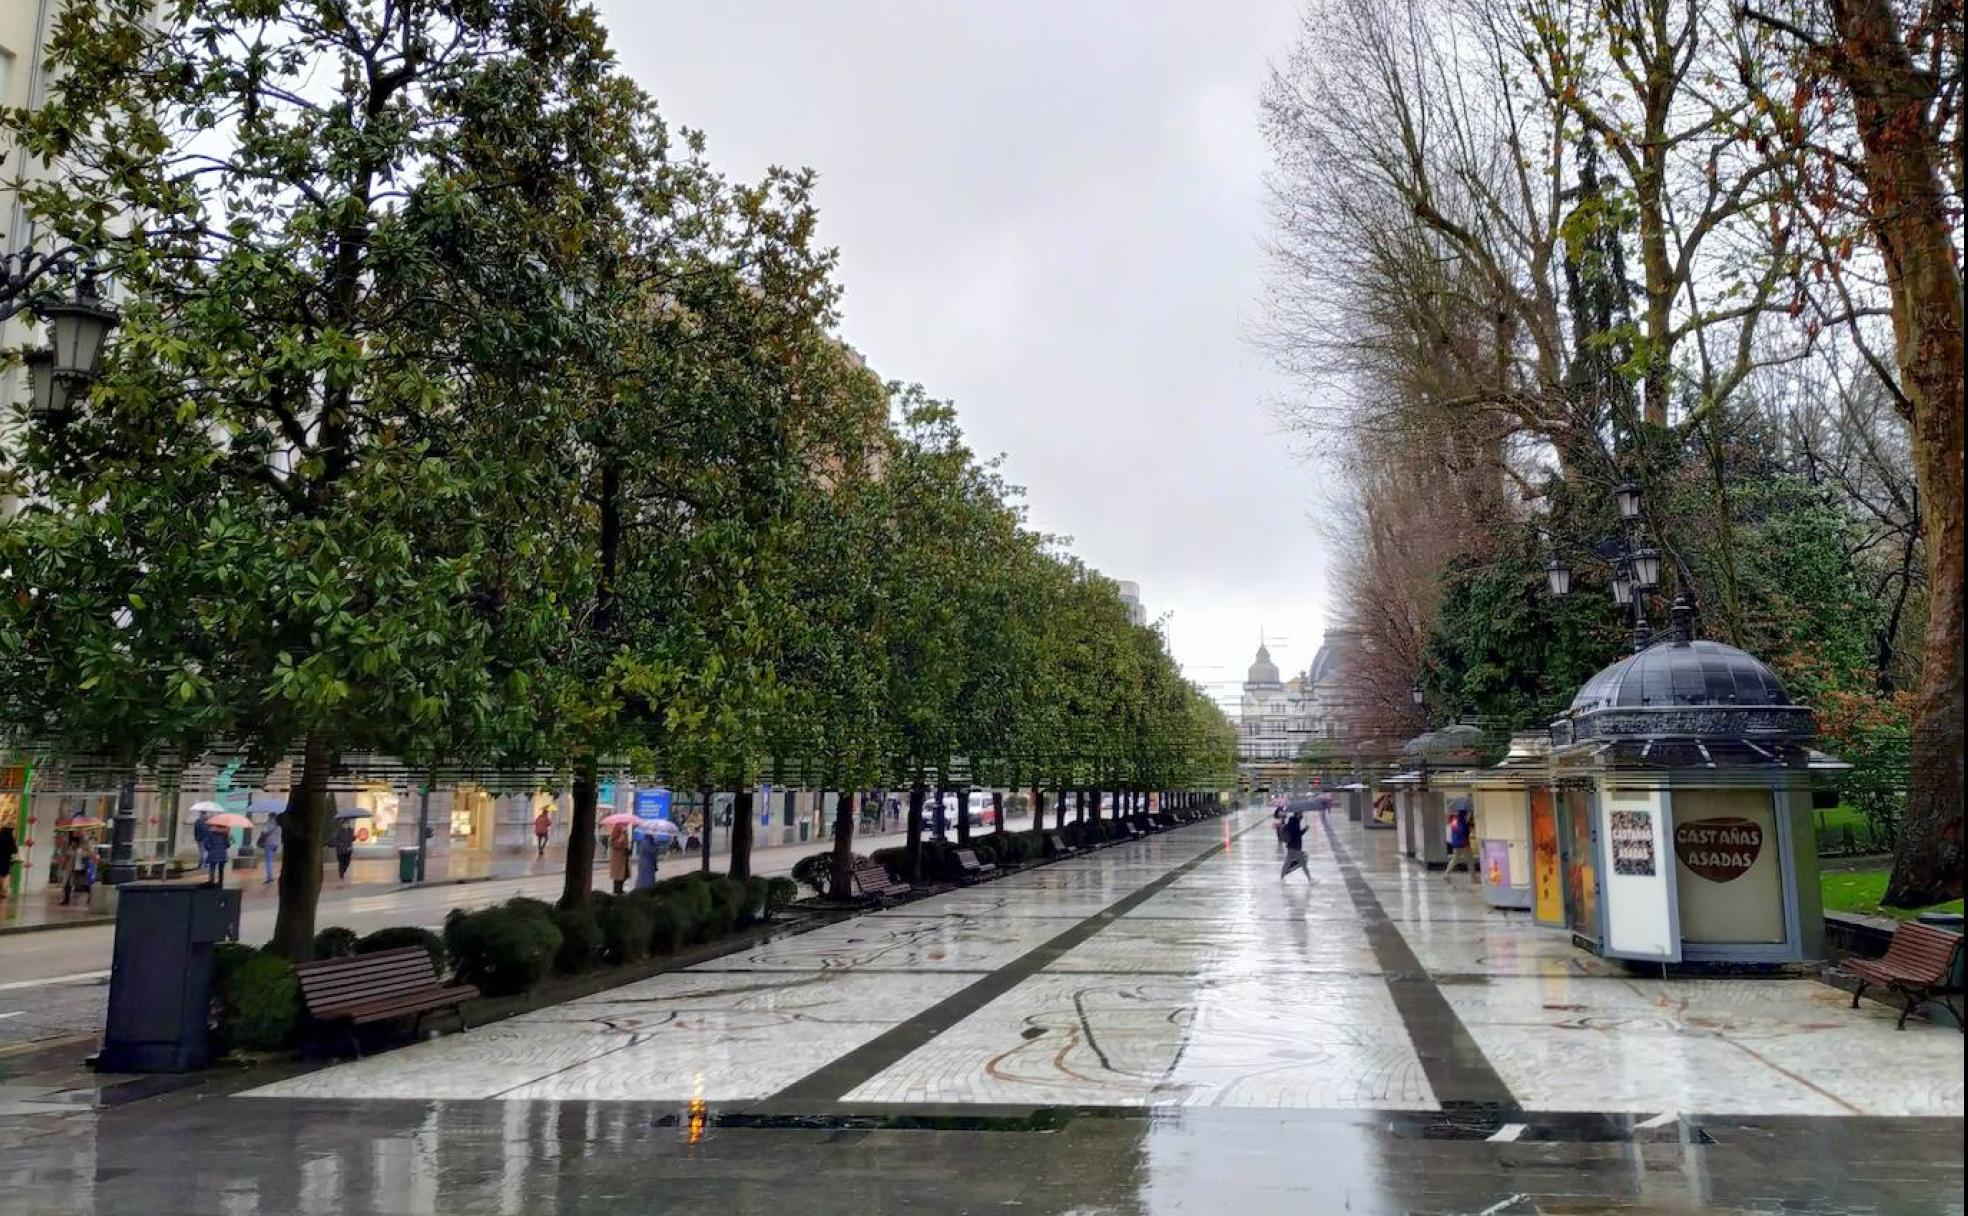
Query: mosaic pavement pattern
(1179, 972)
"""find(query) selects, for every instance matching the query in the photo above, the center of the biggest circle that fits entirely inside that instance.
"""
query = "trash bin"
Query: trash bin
(160, 976)
(406, 865)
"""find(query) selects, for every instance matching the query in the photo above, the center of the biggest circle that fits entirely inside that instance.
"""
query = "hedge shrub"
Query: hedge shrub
(756, 890)
(334, 942)
(580, 939)
(692, 900)
(502, 950)
(669, 924)
(398, 936)
(779, 893)
(625, 929)
(260, 1005)
(817, 871)
(727, 896)
(227, 957)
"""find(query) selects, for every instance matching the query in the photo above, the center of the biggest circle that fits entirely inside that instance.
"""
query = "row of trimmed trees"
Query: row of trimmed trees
(462, 413)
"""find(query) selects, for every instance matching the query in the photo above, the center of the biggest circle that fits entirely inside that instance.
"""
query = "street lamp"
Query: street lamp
(1636, 568)
(1559, 576)
(1416, 692)
(1646, 569)
(1626, 496)
(81, 324)
(59, 373)
(1622, 586)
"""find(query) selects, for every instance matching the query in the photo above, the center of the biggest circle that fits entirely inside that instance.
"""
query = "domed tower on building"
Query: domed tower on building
(1264, 712)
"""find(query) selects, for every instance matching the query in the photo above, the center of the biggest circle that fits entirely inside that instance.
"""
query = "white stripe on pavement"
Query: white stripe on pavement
(55, 979)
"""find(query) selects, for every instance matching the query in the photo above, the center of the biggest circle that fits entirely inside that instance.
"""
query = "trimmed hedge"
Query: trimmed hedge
(625, 929)
(398, 936)
(580, 940)
(756, 890)
(334, 942)
(259, 1006)
(669, 925)
(692, 900)
(502, 950)
(779, 894)
(816, 871)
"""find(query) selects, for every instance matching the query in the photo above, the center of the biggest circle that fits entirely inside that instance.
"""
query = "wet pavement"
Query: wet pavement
(1161, 1027)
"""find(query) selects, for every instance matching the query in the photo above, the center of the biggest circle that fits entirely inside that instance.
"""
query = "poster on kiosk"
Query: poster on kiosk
(1638, 878)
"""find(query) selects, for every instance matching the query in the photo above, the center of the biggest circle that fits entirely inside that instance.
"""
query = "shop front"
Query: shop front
(1684, 810)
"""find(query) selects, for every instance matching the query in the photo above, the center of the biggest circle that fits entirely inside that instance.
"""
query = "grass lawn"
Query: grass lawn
(1859, 891)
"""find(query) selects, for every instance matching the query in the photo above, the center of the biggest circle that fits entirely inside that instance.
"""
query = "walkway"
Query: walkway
(1376, 1040)
(52, 983)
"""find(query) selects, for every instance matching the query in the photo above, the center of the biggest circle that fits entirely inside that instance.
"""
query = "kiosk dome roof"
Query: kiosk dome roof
(1680, 689)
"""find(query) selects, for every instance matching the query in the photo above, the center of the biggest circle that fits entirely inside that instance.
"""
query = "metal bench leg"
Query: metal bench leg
(1857, 993)
(1912, 1003)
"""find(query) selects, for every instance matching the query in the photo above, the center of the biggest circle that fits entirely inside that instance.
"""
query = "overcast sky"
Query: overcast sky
(1053, 215)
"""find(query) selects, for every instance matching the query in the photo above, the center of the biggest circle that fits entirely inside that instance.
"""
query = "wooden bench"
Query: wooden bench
(379, 987)
(973, 868)
(875, 883)
(1133, 829)
(1916, 964)
(1057, 846)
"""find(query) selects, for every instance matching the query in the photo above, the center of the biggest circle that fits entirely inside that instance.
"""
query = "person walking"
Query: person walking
(344, 845)
(270, 846)
(618, 858)
(1462, 848)
(213, 845)
(78, 869)
(647, 849)
(542, 828)
(9, 849)
(1292, 834)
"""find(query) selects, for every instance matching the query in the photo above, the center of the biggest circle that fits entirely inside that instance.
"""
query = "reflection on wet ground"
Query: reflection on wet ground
(237, 1155)
(1161, 1027)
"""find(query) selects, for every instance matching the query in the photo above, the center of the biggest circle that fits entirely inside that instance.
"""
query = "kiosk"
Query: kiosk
(1505, 845)
(1441, 761)
(1684, 810)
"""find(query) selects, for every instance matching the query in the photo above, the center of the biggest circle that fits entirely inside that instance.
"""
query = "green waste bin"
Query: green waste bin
(406, 865)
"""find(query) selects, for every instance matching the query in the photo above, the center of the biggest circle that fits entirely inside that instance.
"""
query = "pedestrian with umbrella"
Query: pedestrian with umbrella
(213, 834)
(618, 848)
(343, 842)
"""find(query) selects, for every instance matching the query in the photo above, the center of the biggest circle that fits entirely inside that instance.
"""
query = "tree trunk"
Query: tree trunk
(1038, 809)
(997, 812)
(741, 834)
(704, 844)
(914, 840)
(744, 809)
(1907, 213)
(843, 881)
(578, 879)
(963, 814)
(1094, 809)
(1059, 809)
(304, 829)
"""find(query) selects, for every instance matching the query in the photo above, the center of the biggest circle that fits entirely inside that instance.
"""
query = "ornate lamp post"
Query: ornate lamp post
(59, 373)
(58, 379)
(1636, 567)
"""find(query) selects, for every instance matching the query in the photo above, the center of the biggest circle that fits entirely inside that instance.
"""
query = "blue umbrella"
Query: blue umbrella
(267, 806)
(661, 829)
